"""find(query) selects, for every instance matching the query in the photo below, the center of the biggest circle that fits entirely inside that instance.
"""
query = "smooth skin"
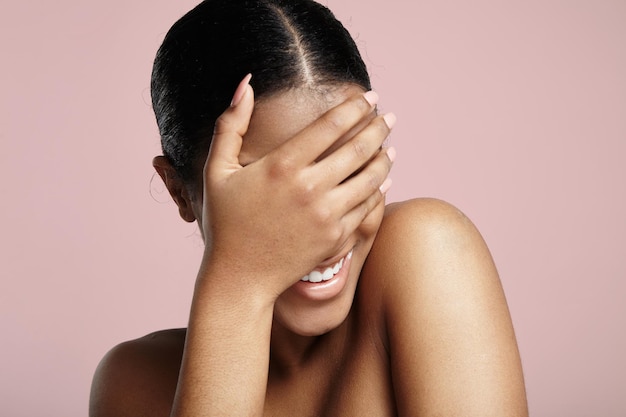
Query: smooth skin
(426, 332)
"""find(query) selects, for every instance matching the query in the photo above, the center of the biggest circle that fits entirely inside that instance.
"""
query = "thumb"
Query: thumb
(229, 130)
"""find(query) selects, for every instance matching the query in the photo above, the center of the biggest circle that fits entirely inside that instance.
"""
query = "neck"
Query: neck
(291, 352)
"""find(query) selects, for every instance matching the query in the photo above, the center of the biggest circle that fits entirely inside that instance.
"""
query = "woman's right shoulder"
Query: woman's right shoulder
(138, 377)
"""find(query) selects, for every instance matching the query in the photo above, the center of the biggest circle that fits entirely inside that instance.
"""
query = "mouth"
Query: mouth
(327, 273)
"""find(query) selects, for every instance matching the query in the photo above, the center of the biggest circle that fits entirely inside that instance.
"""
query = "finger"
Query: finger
(230, 128)
(356, 152)
(369, 181)
(355, 217)
(313, 140)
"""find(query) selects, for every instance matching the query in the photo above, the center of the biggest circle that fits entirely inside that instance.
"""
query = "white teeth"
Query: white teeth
(328, 274)
(317, 276)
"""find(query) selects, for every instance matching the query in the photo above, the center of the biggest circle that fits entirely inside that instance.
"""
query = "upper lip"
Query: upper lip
(332, 261)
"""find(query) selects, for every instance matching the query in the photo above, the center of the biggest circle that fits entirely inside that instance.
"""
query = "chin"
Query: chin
(306, 325)
(314, 318)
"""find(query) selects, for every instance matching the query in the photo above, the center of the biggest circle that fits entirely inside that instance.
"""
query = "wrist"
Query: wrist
(228, 279)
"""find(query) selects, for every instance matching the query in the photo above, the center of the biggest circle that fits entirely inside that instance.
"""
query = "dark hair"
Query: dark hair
(283, 43)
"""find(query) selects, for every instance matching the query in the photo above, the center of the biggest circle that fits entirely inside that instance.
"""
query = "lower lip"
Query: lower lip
(325, 290)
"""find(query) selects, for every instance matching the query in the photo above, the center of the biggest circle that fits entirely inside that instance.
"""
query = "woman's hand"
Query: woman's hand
(282, 215)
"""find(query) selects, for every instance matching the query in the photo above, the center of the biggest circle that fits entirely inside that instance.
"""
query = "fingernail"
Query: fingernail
(371, 97)
(385, 186)
(390, 119)
(391, 153)
(240, 91)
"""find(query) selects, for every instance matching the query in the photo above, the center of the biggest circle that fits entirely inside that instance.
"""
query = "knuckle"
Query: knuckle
(335, 233)
(369, 204)
(306, 192)
(376, 199)
(323, 216)
(222, 124)
(332, 121)
(280, 167)
(353, 198)
(373, 181)
(359, 148)
(361, 104)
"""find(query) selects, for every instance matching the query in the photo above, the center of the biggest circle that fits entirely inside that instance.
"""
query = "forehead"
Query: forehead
(281, 116)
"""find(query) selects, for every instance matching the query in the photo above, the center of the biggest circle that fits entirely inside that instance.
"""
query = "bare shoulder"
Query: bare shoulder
(423, 230)
(415, 236)
(421, 218)
(425, 233)
(449, 334)
(138, 377)
(431, 252)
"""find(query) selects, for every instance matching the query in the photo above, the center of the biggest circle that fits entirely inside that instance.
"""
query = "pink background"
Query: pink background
(513, 111)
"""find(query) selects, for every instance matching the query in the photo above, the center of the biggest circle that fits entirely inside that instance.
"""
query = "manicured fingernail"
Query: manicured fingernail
(391, 153)
(240, 91)
(385, 186)
(371, 97)
(390, 119)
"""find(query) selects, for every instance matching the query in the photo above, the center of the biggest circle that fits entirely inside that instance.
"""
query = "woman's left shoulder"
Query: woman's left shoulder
(423, 218)
(424, 232)
(421, 242)
(428, 246)
(443, 314)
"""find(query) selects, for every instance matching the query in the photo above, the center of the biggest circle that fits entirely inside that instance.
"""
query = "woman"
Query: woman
(312, 298)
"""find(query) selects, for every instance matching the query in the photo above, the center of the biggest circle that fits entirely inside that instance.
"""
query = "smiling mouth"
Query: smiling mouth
(328, 273)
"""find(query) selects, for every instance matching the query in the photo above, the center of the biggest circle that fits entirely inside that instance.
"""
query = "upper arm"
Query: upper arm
(451, 341)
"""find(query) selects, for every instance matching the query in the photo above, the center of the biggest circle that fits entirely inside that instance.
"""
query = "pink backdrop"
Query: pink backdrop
(514, 111)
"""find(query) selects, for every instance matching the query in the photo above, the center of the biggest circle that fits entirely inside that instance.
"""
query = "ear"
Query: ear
(176, 187)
